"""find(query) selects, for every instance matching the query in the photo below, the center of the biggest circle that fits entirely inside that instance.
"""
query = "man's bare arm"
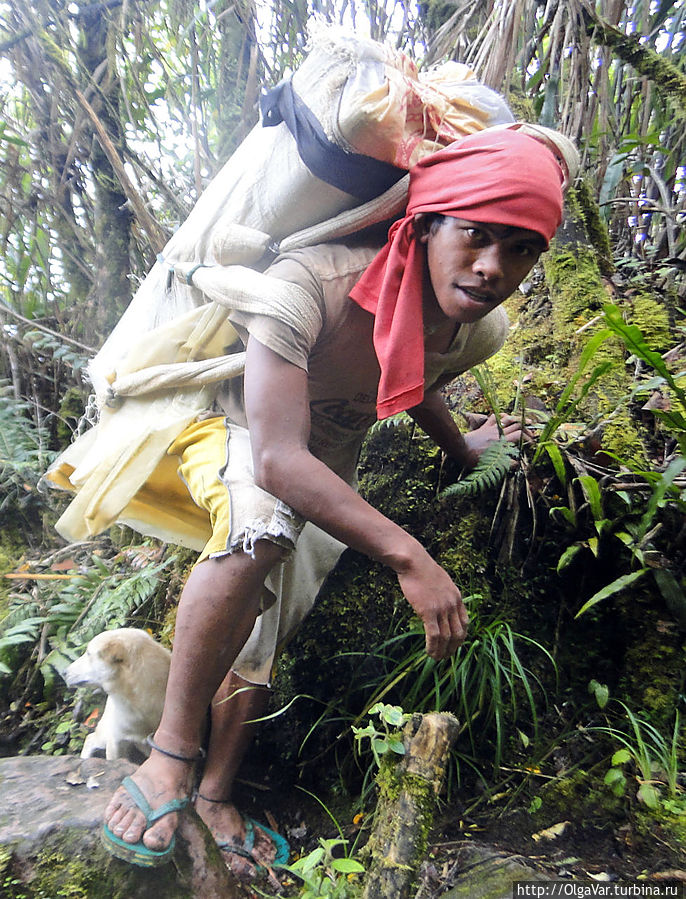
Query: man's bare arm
(277, 406)
(433, 416)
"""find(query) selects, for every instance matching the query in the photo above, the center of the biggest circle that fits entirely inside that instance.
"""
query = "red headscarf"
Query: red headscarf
(500, 177)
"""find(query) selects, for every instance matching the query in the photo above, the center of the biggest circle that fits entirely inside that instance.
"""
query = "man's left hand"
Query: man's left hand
(478, 440)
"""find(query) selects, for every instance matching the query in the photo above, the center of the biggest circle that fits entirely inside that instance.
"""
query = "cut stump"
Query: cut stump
(408, 791)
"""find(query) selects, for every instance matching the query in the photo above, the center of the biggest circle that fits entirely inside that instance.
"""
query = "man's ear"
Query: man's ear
(421, 227)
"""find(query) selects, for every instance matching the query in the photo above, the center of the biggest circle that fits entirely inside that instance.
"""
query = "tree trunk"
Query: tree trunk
(112, 213)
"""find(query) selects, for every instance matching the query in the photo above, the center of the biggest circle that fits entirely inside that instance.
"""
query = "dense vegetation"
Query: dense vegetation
(571, 690)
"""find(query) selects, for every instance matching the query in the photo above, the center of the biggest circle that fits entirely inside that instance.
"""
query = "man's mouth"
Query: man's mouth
(476, 295)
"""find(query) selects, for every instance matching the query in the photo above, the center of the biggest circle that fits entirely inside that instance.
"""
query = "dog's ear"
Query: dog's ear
(114, 652)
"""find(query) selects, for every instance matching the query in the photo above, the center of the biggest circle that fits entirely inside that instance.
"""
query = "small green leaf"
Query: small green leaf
(601, 693)
(393, 715)
(648, 795)
(311, 860)
(613, 776)
(621, 757)
(555, 455)
(591, 490)
(567, 556)
(347, 866)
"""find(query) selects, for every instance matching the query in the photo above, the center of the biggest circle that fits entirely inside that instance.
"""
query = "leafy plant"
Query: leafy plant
(59, 621)
(485, 684)
(24, 455)
(576, 390)
(654, 759)
(635, 342)
(391, 718)
(325, 875)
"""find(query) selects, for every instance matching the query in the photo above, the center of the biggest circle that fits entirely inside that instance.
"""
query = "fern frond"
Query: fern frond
(400, 419)
(494, 464)
(23, 455)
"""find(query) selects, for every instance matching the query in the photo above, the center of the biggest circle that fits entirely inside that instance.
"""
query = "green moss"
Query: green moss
(621, 439)
(652, 318)
(522, 106)
(658, 824)
(584, 197)
(68, 866)
(577, 293)
(398, 789)
(652, 676)
(581, 794)
(645, 60)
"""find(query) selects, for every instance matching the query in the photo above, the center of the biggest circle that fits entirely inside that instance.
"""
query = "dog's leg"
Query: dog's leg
(115, 749)
(92, 744)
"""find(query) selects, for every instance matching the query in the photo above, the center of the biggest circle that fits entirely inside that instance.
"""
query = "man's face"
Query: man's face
(473, 266)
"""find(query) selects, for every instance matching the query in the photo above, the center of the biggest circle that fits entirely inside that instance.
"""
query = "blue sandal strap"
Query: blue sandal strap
(151, 815)
(283, 850)
(249, 841)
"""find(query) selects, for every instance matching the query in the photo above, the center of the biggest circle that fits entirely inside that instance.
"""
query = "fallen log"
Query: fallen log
(408, 789)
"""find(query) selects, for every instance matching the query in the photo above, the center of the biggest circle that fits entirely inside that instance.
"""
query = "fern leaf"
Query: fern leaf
(494, 464)
(392, 422)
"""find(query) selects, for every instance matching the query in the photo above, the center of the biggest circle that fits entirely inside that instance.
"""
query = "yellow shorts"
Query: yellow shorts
(215, 463)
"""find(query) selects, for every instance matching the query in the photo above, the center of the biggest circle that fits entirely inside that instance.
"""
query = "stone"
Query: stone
(51, 812)
(489, 874)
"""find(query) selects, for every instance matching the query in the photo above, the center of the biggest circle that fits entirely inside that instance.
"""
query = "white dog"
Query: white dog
(132, 669)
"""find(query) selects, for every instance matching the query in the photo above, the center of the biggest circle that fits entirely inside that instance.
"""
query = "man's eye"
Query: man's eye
(475, 233)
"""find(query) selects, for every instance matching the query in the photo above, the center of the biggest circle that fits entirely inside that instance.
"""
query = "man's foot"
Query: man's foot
(246, 845)
(160, 779)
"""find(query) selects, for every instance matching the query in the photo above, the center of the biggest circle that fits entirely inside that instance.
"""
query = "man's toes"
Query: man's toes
(159, 835)
(129, 826)
(240, 867)
(120, 820)
(264, 850)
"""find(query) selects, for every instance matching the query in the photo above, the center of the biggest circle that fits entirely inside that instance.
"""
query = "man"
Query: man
(395, 325)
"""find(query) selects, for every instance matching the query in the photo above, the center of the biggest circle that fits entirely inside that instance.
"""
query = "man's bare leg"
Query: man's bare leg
(235, 703)
(216, 613)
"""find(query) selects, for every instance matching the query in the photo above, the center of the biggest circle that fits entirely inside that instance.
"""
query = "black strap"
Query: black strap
(362, 176)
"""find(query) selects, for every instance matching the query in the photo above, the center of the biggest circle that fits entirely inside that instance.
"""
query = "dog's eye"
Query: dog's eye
(118, 661)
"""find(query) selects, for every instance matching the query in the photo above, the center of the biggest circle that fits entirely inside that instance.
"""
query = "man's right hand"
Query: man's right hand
(279, 426)
(438, 602)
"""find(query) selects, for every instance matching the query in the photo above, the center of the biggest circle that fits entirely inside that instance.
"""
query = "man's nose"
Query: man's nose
(489, 263)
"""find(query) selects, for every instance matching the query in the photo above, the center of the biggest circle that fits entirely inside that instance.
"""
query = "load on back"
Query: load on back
(329, 157)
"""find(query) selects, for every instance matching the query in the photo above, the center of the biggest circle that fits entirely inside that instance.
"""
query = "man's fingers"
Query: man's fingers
(448, 634)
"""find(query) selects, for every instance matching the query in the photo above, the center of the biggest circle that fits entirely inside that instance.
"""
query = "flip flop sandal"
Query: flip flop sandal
(139, 853)
(245, 849)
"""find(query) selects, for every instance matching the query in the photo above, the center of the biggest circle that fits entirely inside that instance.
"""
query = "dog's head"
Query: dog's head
(102, 663)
